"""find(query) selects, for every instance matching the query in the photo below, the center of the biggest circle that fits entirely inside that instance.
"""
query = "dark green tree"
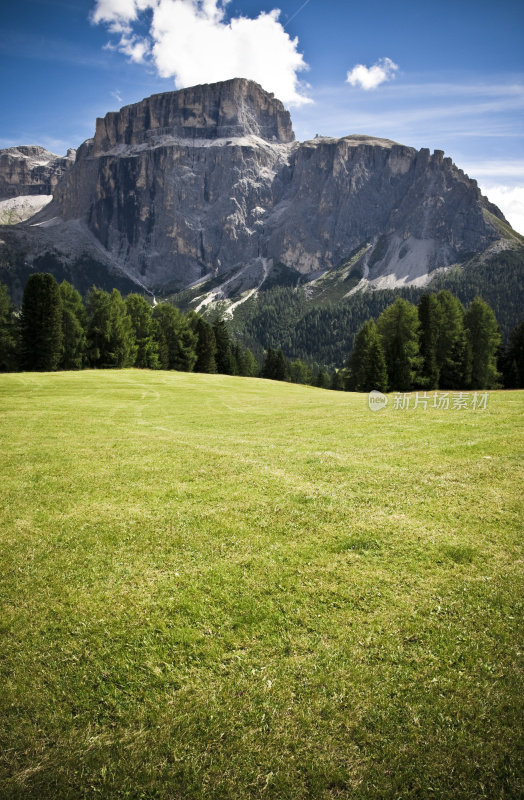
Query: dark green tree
(176, 339)
(453, 354)
(110, 337)
(275, 366)
(338, 382)
(8, 338)
(512, 361)
(299, 372)
(322, 379)
(144, 330)
(224, 357)
(430, 318)
(398, 327)
(41, 324)
(484, 339)
(98, 326)
(206, 345)
(250, 364)
(245, 362)
(281, 367)
(74, 324)
(269, 366)
(367, 363)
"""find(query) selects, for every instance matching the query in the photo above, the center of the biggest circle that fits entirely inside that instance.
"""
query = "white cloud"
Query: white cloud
(371, 77)
(193, 42)
(510, 200)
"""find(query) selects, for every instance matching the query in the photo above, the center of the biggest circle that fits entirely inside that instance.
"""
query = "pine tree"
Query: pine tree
(206, 345)
(514, 359)
(453, 353)
(144, 329)
(176, 340)
(430, 318)
(367, 363)
(337, 381)
(300, 372)
(398, 327)
(8, 344)
(322, 380)
(484, 339)
(269, 367)
(224, 357)
(281, 367)
(122, 341)
(249, 364)
(98, 326)
(110, 337)
(41, 324)
(74, 323)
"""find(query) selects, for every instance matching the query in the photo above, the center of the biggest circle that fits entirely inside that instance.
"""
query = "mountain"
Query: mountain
(28, 178)
(205, 191)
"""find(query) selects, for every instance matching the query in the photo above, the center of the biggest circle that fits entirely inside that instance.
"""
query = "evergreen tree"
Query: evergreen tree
(41, 323)
(281, 367)
(300, 372)
(367, 363)
(430, 318)
(513, 359)
(338, 381)
(110, 337)
(98, 326)
(74, 323)
(8, 344)
(244, 362)
(224, 356)
(453, 354)
(249, 364)
(206, 345)
(176, 339)
(269, 368)
(398, 327)
(122, 341)
(322, 380)
(144, 329)
(484, 339)
(275, 366)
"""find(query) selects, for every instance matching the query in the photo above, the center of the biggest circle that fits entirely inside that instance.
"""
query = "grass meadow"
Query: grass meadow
(229, 588)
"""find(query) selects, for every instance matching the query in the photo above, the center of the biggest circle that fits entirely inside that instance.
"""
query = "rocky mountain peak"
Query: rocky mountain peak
(226, 110)
(31, 170)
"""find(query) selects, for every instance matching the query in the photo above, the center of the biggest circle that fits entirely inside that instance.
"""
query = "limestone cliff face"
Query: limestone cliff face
(207, 180)
(31, 170)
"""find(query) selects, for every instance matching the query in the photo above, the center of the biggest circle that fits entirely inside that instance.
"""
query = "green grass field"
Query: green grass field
(220, 587)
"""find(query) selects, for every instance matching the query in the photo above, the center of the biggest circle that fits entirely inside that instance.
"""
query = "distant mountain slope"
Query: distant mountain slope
(206, 193)
(209, 182)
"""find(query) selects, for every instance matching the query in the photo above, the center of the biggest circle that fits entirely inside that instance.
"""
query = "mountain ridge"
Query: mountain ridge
(209, 185)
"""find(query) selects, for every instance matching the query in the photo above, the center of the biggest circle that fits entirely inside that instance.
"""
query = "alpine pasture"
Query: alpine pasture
(229, 588)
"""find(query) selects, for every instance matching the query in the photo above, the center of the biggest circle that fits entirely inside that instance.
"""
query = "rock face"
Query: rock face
(31, 170)
(210, 180)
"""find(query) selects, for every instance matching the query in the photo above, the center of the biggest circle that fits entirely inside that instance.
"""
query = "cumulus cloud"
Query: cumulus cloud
(194, 42)
(371, 77)
(510, 200)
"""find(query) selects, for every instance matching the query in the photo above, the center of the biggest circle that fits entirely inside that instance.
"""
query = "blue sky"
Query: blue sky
(447, 75)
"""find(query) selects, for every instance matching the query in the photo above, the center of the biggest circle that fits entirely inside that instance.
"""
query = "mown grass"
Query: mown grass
(223, 588)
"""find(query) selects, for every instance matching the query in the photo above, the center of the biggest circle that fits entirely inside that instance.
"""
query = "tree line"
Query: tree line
(321, 327)
(437, 344)
(56, 330)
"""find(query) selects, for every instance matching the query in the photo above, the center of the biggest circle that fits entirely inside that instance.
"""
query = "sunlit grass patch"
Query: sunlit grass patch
(232, 588)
